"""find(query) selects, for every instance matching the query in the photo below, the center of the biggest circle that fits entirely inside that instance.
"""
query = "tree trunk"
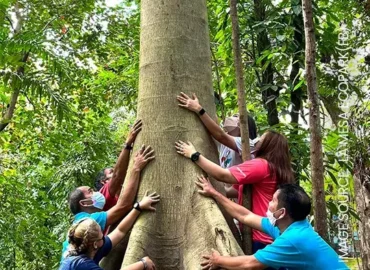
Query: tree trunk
(316, 155)
(243, 116)
(296, 95)
(269, 95)
(8, 115)
(359, 125)
(175, 56)
(362, 191)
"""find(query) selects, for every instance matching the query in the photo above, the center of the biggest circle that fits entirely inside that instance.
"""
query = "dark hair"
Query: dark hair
(100, 177)
(295, 200)
(252, 128)
(74, 201)
(274, 148)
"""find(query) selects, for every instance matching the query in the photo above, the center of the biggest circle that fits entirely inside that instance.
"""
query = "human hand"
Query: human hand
(210, 261)
(149, 263)
(191, 104)
(148, 200)
(185, 149)
(142, 157)
(205, 186)
(134, 130)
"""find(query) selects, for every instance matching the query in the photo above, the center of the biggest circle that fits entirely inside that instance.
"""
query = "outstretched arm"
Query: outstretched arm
(192, 104)
(144, 264)
(126, 200)
(216, 261)
(235, 210)
(120, 170)
(124, 226)
(212, 169)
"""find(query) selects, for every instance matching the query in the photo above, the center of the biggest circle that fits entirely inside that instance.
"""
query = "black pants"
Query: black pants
(259, 245)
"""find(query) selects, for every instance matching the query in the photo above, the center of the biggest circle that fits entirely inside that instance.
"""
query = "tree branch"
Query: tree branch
(10, 111)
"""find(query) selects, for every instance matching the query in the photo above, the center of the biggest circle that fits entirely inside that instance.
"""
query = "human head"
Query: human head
(290, 202)
(232, 126)
(274, 148)
(85, 237)
(84, 199)
(102, 177)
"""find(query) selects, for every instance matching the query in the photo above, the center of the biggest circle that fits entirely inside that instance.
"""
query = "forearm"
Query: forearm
(215, 170)
(233, 209)
(216, 131)
(129, 220)
(134, 266)
(123, 227)
(129, 191)
(240, 262)
(119, 172)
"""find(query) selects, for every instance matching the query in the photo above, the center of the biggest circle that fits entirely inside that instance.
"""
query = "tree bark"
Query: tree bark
(316, 155)
(359, 125)
(296, 95)
(175, 56)
(269, 95)
(362, 191)
(243, 116)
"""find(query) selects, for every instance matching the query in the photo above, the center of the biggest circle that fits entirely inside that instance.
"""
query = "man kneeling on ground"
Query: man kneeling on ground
(296, 245)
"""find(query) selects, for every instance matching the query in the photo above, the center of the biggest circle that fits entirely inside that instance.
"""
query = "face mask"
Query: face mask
(98, 200)
(271, 217)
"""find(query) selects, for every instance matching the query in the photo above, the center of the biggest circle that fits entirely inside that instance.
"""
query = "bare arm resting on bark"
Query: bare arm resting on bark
(212, 169)
(125, 201)
(235, 210)
(192, 104)
(125, 225)
(120, 170)
(216, 261)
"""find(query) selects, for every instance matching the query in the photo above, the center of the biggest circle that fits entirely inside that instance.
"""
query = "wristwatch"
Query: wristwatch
(127, 146)
(194, 157)
(137, 207)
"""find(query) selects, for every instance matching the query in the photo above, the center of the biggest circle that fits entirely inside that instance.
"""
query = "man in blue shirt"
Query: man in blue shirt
(84, 202)
(296, 245)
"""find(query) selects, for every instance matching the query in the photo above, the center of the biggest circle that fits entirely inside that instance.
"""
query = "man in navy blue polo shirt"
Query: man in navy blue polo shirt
(296, 245)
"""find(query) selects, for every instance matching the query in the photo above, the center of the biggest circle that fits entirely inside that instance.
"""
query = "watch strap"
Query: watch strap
(202, 111)
(137, 207)
(127, 146)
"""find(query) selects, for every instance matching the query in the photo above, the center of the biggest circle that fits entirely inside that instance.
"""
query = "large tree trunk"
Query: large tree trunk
(174, 57)
(316, 155)
(243, 116)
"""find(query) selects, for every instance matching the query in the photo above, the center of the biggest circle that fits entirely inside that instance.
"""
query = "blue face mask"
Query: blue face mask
(98, 200)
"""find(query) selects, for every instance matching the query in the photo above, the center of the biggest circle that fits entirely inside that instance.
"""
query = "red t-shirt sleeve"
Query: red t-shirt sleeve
(251, 171)
(110, 200)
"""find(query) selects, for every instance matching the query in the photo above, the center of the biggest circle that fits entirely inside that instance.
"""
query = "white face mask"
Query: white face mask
(271, 218)
(98, 200)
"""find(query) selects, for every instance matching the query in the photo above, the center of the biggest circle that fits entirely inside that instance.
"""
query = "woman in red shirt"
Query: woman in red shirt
(270, 168)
